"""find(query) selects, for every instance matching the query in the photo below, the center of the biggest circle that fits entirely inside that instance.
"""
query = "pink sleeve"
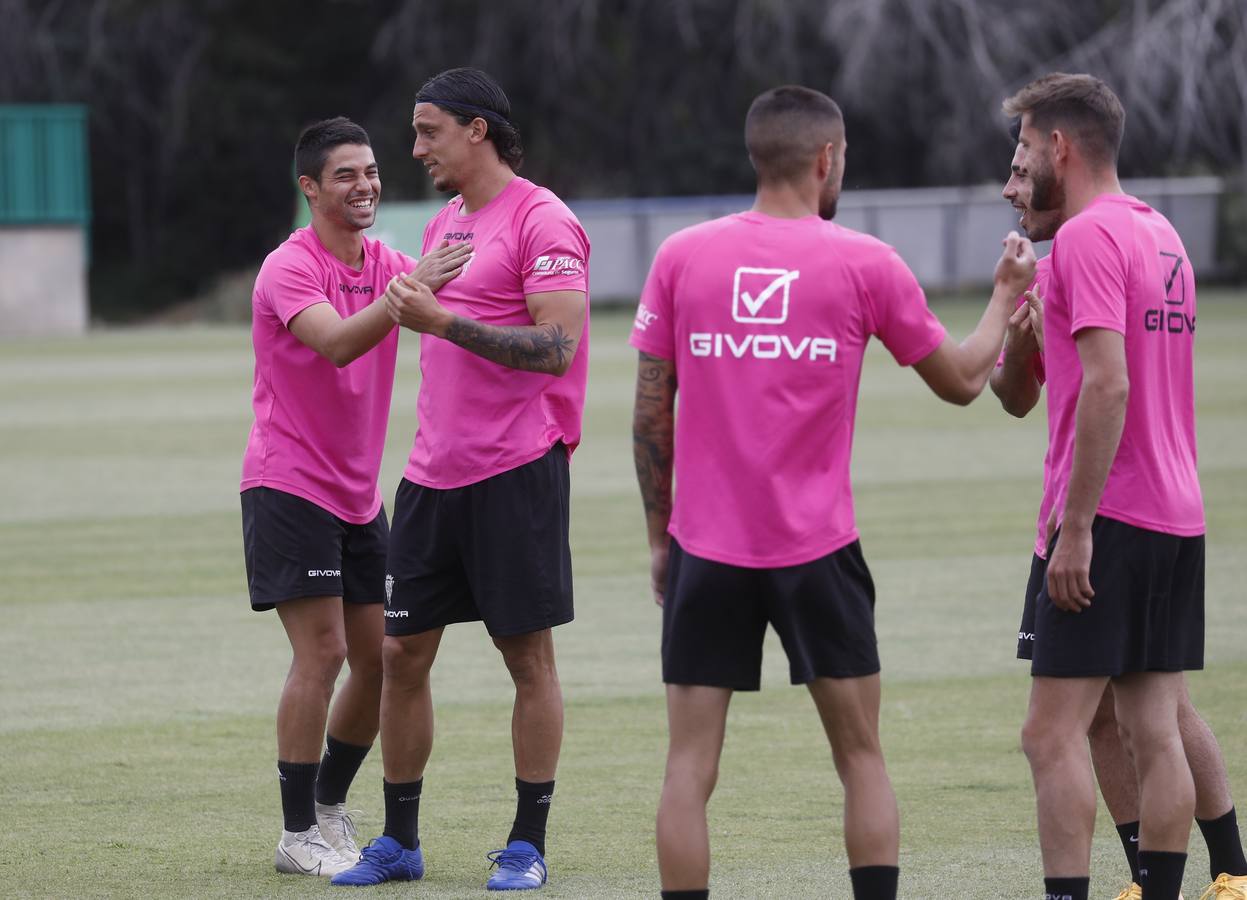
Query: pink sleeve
(288, 285)
(902, 319)
(653, 331)
(554, 251)
(1092, 270)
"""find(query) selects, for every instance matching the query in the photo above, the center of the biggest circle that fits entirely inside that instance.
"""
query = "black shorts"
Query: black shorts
(1026, 630)
(295, 548)
(715, 615)
(1147, 614)
(495, 551)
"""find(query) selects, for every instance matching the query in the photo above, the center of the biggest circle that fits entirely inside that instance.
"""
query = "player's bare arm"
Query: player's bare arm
(1014, 381)
(1098, 423)
(653, 442)
(958, 372)
(342, 341)
(548, 345)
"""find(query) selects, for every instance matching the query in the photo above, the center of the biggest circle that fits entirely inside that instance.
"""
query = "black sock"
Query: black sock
(402, 812)
(874, 882)
(1066, 888)
(1160, 874)
(1129, 834)
(686, 895)
(532, 807)
(298, 794)
(1225, 847)
(337, 770)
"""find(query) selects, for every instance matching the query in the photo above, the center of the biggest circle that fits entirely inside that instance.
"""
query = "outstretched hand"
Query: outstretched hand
(412, 305)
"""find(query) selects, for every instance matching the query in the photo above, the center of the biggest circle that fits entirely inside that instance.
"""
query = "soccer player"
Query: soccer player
(1018, 381)
(481, 517)
(314, 531)
(1127, 547)
(760, 321)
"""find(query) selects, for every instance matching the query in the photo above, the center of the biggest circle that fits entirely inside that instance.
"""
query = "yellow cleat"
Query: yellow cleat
(1134, 892)
(1226, 887)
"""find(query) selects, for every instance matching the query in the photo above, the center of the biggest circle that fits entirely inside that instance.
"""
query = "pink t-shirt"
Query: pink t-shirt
(1043, 276)
(479, 418)
(319, 430)
(1120, 265)
(767, 321)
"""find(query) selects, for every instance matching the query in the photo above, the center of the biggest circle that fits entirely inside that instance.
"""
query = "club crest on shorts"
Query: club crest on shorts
(389, 587)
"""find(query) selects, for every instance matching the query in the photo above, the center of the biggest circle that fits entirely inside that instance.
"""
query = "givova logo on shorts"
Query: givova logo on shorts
(762, 296)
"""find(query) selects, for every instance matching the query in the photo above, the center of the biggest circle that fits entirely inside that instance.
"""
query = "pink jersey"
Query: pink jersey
(767, 321)
(479, 418)
(1120, 265)
(1043, 277)
(319, 430)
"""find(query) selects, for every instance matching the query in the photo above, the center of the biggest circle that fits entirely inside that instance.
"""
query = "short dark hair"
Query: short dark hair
(468, 94)
(1081, 103)
(785, 129)
(319, 139)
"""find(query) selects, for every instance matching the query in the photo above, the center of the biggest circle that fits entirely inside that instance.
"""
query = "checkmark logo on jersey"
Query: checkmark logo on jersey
(762, 295)
(1175, 275)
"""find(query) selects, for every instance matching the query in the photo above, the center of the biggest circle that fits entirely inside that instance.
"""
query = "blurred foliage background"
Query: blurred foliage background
(195, 106)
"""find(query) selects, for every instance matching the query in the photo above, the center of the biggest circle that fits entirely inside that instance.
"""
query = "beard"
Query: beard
(1048, 194)
(827, 203)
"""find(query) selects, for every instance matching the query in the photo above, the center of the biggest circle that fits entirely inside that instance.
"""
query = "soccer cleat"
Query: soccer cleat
(520, 868)
(1226, 887)
(338, 829)
(308, 853)
(384, 859)
(1133, 892)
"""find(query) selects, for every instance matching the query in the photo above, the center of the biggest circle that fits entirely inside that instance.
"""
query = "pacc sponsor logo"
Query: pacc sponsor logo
(645, 317)
(557, 265)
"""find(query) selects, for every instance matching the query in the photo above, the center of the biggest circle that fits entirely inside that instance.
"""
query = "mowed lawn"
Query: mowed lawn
(137, 689)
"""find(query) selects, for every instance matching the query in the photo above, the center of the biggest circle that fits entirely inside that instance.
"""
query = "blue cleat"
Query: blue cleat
(384, 859)
(520, 868)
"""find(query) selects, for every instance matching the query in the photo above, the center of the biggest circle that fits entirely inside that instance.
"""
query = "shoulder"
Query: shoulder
(544, 203)
(688, 240)
(294, 255)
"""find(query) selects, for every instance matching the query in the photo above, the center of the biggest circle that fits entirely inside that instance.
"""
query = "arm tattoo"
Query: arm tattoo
(533, 348)
(653, 439)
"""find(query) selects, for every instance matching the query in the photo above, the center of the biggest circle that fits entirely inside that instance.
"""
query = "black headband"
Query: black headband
(488, 115)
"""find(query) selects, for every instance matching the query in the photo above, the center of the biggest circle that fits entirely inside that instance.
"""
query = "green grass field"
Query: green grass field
(137, 689)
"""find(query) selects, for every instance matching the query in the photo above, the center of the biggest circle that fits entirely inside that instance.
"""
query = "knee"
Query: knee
(692, 773)
(530, 668)
(367, 667)
(1042, 744)
(403, 662)
(321, 659)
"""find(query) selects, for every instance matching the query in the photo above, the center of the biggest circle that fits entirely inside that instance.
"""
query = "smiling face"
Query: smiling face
(348, 189)
(444, 146)
(1033, 188)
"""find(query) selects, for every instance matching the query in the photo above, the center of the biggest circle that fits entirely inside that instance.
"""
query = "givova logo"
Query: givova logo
(324, 573)
(762, 296)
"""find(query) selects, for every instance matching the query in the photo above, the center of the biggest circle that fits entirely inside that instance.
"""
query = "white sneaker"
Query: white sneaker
(337, 827)
(307, 853)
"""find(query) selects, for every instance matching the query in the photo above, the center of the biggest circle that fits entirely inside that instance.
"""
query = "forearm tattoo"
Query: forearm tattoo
(653, 437)
(533, 348)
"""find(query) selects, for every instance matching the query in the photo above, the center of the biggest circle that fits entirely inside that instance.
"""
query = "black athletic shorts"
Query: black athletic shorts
(295, 548)
(1147, 614)
(1026, 630)
(715, 615)
(495, 551)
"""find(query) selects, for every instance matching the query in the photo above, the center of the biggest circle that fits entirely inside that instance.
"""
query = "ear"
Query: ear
(478, 128)
(309, 187)
(826, 161)
(1060, 146)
